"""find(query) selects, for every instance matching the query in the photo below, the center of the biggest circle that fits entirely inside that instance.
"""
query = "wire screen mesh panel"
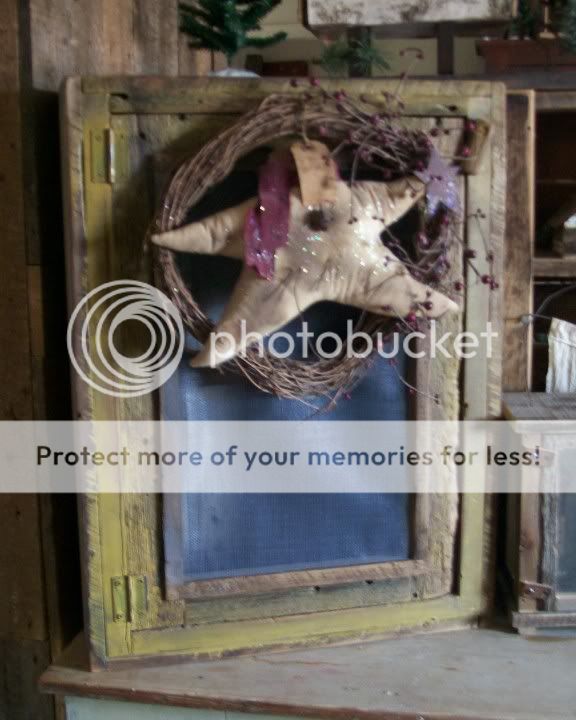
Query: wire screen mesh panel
(567, 527)
(226, 535)
(232, 535)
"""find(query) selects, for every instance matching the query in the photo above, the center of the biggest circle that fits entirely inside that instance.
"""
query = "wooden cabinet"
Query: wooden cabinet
(541, 559)
(542, 182)
(155, 124)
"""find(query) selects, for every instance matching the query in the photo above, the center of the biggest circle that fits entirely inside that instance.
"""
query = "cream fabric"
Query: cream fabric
(562, 358)
(348, 263)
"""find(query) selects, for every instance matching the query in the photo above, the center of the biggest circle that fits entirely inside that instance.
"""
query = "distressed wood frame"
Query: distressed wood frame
(520, 239)
(427, 569)
(535, 522)
(120, 532)
(532, 519)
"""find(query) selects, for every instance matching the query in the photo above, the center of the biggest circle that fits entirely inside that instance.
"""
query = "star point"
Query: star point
(441, 180)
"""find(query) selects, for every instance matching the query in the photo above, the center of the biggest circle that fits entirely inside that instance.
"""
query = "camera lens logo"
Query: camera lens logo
(100, 326)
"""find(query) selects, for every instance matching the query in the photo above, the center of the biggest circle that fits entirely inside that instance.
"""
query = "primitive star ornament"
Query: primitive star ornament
(345, 263)
(441, 182)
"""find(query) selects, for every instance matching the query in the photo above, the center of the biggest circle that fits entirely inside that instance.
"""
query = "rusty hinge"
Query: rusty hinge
(536, 591)
(110, 155)
(129, 597)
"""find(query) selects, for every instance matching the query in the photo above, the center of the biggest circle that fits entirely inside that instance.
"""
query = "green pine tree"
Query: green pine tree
(525, 24)
(223, 25)
(569, 26)
(339, 56)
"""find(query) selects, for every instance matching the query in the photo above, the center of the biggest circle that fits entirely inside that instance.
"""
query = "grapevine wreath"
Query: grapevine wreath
(329, 132)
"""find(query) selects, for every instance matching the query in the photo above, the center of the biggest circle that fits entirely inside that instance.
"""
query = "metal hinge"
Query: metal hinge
(536, 591)
(110, 157)
(129, 597)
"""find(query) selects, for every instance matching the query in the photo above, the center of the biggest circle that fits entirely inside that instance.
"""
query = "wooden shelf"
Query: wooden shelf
(553, 182)
(542, 407)
(553, 266)
(480, 674)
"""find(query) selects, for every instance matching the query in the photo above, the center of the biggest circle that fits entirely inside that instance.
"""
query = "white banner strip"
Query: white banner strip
(287, 457)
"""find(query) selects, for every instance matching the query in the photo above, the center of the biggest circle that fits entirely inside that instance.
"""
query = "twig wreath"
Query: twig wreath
(364, 137)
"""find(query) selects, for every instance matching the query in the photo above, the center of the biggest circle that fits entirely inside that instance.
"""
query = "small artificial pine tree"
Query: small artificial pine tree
(338, 57)
(569, 26)
(223, 25)
(525, 24)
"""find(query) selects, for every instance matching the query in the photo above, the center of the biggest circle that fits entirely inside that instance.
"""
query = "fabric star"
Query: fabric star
(346, 263)
(441, 182)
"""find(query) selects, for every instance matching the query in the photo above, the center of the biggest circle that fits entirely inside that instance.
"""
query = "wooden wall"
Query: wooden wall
(41, 42)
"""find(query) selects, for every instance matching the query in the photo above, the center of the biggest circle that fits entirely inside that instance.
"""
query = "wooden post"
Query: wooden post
(445, 34)
(520, 219)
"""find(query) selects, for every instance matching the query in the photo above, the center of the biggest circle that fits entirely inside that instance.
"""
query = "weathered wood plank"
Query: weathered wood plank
(442, 90)
(471, 674)
(305, 630)
(42, 42)
(22, 595)
(530, 620)
(15, 369)
(359, 12)
(23, 661)
(87, 36)
(541, 407)
(254, 584)
(554, 267)
(530, 540)
(558, 101)
(520, 220)
(303, 600)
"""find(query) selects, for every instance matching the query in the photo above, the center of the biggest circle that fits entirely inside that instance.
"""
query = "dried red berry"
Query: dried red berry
(470, 254)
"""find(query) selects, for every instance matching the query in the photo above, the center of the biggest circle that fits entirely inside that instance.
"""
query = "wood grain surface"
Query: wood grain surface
(467, 675)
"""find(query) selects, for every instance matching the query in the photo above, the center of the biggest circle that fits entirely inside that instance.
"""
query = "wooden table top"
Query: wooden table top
(465, 675)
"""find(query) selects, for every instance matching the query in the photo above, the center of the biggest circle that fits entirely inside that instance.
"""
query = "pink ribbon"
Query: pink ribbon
(268, 224)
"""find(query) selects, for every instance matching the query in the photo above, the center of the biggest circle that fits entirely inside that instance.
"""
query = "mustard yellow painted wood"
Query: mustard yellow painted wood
(163, 120)
(307, 630)
(100, 255)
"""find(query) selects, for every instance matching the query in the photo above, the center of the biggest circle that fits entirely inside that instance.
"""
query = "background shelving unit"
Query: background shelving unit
(555, 185)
